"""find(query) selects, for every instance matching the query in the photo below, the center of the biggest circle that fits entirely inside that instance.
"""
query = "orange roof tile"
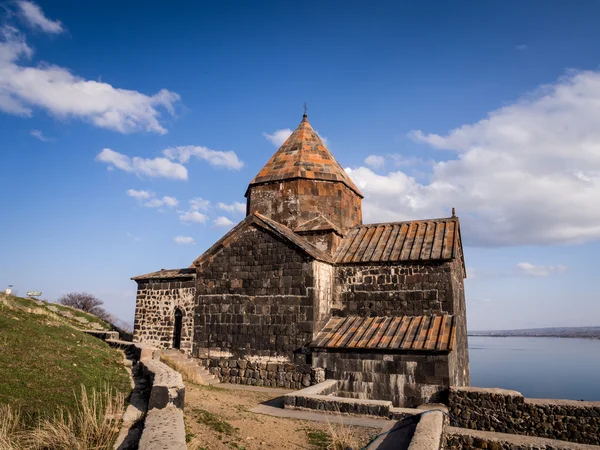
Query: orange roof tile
(303, 155)
(417, 240)
(414, 333)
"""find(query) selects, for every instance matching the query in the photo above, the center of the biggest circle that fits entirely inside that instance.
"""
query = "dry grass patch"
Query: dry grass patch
(93, 425)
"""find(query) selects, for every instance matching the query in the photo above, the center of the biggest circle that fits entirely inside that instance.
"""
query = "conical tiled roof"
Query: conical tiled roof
(303, 155)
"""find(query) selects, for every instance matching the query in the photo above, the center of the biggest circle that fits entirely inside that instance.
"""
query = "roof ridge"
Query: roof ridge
(292, 236)
(381, 224)
(314, 219)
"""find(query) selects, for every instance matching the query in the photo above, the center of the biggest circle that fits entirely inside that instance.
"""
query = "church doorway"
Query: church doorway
(177, 330)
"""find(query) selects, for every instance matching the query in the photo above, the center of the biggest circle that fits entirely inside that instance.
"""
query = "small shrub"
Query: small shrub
(214, 422)
(319, 439)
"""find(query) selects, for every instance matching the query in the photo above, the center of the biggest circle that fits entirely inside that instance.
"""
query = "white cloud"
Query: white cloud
(223, 222)
(522, 47)
(192, 217)
(157, 167)
(152, 202)
(34, 16)
(56, 90)
(375, 161)
(133, 237)
(184, 240)
(140, 195)
(278, 137)
(215, 158)
(39, 135)
(529, 173)
(532, 270)
(170, 202)
(235, 207)
(200, 204)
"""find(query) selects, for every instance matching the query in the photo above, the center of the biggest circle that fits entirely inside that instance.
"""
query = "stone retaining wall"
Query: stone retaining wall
(509, 412)
(321, 397)
(270, 374)
(164, 429)
(462, 439)
(167, 385)
(429, 431)
(164, 426)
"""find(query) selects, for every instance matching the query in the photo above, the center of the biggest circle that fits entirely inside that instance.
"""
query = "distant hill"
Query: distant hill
(566, 332)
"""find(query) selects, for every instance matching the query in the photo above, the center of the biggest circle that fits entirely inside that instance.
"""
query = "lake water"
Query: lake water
(537, 367)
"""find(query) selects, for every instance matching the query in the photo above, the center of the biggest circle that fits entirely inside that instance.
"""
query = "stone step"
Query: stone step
(190, 363)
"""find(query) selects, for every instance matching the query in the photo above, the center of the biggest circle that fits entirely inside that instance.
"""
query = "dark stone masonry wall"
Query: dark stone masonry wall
(407, 380)
(293, 202)
(459, 358)
(284, 375)
(255, 297)
(156, 302)
(408, 289)
(509, 412)
(394, 289)
(463, 440)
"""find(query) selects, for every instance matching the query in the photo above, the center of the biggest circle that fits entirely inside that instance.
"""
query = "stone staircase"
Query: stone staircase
(189, 366)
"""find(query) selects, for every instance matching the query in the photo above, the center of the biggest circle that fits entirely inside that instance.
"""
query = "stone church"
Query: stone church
(302, 290)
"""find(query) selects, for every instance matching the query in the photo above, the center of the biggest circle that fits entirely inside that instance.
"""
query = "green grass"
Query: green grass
(31, 304)
(319, 439)
(213, 421)
(44, 360)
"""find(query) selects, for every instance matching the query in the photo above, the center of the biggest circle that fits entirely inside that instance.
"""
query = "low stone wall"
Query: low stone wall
(507, 411)
(463, 439)
(164, 429)
(270, 374)
(164, 426)
(104, 335)
(321, 397)
(167, 385)
(429, 431)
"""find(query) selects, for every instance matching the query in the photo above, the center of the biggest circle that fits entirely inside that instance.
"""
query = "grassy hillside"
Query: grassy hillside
(44, 358)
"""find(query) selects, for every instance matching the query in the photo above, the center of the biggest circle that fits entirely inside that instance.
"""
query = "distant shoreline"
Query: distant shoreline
(566, 336)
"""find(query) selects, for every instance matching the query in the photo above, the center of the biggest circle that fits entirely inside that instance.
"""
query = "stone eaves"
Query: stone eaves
(167, 274)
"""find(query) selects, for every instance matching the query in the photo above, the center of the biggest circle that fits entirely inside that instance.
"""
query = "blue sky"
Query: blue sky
(130, 132)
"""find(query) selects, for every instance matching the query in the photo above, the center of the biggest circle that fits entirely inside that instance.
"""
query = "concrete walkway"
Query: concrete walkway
(245, 387)
(398, 433)
(322, 417)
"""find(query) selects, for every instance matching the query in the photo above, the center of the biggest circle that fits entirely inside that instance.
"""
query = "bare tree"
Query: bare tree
(86, 302)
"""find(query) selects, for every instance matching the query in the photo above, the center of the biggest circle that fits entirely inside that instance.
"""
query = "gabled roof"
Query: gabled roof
(164, 274)
(303, 155)
(417, 240)
(273, 227)
(415, 333)
(319, 223)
